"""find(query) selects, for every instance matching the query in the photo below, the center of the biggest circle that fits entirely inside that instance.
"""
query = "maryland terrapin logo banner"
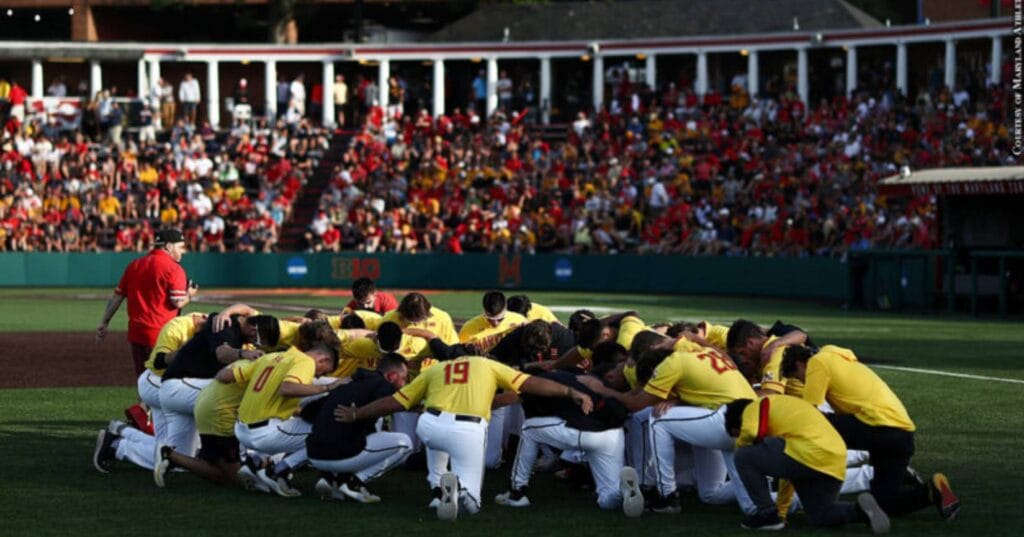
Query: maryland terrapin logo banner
(509, 269)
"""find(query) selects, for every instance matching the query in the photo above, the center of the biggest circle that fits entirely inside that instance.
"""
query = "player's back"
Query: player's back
(853, 388)
(708, 379)
(261, 400)
(467, 385)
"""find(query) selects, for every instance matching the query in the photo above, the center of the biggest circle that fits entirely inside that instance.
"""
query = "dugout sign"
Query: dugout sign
(351, 268)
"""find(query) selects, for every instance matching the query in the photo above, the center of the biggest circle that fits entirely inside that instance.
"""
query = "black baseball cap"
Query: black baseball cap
(168, 236)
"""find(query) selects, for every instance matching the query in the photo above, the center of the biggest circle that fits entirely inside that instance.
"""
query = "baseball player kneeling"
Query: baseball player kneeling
(349, 455)
(265, 416)
(457, 397)
(599, 436)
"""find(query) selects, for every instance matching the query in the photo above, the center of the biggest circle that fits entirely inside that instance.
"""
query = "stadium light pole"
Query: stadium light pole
(598, 82)
(702, 75)
(651, 71)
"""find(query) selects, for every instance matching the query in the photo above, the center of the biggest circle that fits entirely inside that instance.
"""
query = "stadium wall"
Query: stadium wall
(812, 278)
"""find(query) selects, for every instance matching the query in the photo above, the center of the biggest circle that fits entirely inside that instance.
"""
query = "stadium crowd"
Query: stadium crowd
(657, 172)
(660, 172)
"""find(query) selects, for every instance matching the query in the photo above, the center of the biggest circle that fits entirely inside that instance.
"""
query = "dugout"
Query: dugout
(980, 264)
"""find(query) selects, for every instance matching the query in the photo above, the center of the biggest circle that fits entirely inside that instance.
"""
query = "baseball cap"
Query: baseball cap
(168, 236)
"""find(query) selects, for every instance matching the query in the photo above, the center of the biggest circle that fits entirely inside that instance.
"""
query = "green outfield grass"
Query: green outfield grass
(969, 428)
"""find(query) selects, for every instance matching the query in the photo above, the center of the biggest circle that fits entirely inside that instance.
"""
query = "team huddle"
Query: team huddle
(764, 419)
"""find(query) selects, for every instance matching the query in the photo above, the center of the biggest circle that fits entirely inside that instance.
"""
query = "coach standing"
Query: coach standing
(156, 289)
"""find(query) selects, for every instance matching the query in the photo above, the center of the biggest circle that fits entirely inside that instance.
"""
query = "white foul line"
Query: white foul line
(947, 373)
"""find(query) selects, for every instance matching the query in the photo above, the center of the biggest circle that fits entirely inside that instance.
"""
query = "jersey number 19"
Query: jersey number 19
(456, 372)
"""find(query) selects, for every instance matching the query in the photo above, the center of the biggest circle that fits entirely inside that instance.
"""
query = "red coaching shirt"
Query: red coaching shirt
(149, 283)
(383, 303)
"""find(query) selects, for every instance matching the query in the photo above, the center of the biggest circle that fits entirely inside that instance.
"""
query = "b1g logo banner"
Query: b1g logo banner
(351, 268)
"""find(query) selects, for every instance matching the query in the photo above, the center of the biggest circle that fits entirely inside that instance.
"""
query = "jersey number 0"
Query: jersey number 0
(261, 381)
(456, 372)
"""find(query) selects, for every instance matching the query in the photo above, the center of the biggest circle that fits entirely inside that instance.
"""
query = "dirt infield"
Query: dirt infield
(63, 359)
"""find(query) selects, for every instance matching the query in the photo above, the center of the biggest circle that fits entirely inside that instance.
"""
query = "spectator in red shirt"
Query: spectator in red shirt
(365, 296)
(156, 288)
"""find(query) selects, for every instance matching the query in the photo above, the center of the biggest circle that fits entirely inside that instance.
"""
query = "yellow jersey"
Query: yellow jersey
(810, 438)
(363, 352)
(707, 379)
(771, 374)
(371, 319)
(172, 337)
(539, 312)
(479, 331)
(835, 374)
(715, 335)
(266, 375)
(289, 336)
(216, 409)
(629, 327)
(465, 385)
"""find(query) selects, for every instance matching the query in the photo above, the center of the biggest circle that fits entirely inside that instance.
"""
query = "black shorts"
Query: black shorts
(218, 449)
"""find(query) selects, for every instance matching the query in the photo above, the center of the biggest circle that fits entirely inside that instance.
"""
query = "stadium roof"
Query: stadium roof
(568, 21)
(956, 182)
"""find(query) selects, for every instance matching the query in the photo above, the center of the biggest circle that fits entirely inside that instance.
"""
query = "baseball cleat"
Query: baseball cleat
(632, 498)
(116, 427)
(665, 505)
(279, 484)
(448, 507)
(513, 498)
(247, 477)
(355, 488)
(947, 504)
(163, 463)
(878, 521)
(435, 498)
(764, 521)
(104, 453)
(328, 491)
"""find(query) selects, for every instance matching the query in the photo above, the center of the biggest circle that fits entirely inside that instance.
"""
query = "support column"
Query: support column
(545, 90)
(383, 74)
(37, 79)
(492, 85)
(700, 86)
(213, 92)
(95, 77)
(753, 75)
(598, 82)
(154, 73)
(997, 60)
(851, 70)
(270, 89)
(651, 72)
(438, 85)
(950, 66)
(802, 88)
(327, 118)
(901, 67)
(142, 79)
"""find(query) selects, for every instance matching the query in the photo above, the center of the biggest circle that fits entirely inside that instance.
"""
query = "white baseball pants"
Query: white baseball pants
(277, 436)
(605, 451)
(713, 449)
(149, 392)
(461, 443)
(383, 452)
(178, 401)
(137, 447)
(405, 422)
